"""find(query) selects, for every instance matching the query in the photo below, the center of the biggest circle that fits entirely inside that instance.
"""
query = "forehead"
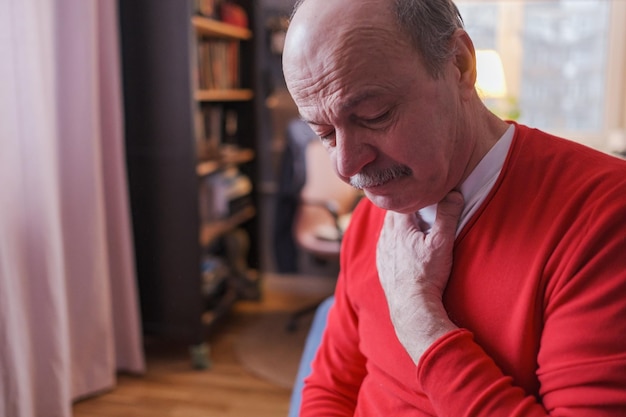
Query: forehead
(342, 71)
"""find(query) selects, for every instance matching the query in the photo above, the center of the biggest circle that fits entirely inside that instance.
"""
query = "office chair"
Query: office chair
(323, 213)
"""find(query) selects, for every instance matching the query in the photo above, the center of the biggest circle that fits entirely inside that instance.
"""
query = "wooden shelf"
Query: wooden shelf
(212, 230)
(224, 95)
(215, 28)
(227, 157)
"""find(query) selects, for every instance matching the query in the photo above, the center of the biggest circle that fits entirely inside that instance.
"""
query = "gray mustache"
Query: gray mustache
(371, 178)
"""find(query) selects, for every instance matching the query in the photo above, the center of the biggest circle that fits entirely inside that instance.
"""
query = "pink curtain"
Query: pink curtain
(69, 317)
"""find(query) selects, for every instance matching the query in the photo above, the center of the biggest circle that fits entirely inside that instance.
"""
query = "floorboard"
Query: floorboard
(172, 388)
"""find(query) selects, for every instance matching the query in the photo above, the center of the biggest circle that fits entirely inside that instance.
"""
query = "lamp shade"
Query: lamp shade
(490, 81)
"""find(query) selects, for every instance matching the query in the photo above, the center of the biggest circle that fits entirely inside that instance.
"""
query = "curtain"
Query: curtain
(69, 315)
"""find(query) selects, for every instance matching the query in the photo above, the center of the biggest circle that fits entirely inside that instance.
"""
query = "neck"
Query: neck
(485, 128)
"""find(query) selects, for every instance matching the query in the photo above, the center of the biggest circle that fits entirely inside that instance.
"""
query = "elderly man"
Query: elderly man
(485, 273)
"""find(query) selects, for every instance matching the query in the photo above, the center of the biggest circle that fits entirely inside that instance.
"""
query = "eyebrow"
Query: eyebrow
(351, 103)
(357, 99)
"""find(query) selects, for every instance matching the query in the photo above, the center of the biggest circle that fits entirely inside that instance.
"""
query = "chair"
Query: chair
(323, 213)
(326, 204)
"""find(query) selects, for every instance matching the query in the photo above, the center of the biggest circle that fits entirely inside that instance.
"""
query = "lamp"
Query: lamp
(491, 85)
(490, 81)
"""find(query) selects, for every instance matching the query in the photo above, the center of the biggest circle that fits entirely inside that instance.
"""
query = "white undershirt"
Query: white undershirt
(479, 182)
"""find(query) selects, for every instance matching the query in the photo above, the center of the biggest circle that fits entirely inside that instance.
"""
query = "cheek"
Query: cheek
(412, 143)
(421, 150)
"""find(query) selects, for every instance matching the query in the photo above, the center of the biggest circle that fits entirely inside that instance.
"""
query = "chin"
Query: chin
(390, 203)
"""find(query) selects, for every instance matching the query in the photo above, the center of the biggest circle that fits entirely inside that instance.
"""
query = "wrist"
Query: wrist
(428, 323)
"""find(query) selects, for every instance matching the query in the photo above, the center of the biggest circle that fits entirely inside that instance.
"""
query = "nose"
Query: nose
(351, 153)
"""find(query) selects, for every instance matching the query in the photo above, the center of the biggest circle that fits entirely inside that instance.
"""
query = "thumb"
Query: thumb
(448, 213)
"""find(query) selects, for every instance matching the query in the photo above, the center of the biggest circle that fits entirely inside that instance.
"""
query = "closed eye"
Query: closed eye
(375, 122)
(378, 119)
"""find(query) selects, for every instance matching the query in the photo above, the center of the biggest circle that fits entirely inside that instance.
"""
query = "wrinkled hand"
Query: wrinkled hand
(414, 268)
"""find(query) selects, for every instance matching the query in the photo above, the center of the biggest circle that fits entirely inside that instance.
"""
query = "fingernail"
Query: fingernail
(455, 197)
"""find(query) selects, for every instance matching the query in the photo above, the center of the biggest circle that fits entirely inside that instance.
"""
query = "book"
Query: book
(214, 126)
(218, 64)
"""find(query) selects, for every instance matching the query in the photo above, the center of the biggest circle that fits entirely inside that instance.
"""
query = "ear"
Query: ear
(464, 60)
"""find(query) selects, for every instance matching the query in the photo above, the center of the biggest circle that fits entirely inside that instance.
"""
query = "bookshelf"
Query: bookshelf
(224, 95)
(190, 116)
(209, 26)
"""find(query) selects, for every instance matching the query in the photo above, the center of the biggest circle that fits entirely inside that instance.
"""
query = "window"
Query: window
(563, 60)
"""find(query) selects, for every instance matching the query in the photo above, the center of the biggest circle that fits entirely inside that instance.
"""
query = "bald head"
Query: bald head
(336, 24)
(427, 25)
(329, 42)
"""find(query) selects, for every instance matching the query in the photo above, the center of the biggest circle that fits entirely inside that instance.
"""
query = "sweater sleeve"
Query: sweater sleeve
(339, 367)
(460, 379)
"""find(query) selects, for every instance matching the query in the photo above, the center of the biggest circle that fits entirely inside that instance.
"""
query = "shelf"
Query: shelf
(224, 95)
(211, 27)
(212, 230)
(227, 157)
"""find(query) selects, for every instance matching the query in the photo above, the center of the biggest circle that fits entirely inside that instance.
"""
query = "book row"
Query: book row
(214, 127)
(218, 64)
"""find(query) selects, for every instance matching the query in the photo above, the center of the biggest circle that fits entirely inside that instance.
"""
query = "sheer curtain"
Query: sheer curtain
(69, 314)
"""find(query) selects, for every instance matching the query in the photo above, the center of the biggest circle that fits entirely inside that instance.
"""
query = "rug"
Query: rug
(266, 349)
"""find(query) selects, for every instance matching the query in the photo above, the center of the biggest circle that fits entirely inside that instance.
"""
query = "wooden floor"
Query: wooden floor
(172, 388)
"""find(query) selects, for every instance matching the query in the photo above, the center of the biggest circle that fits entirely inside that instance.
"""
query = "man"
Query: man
(485, 274)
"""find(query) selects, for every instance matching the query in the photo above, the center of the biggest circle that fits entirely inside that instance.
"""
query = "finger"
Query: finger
(448, 213)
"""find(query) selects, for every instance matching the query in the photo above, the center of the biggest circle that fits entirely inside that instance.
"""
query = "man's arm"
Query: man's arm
(339, 367)
(414, 268)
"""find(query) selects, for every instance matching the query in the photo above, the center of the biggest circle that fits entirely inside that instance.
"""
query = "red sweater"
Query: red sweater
(538, 290)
